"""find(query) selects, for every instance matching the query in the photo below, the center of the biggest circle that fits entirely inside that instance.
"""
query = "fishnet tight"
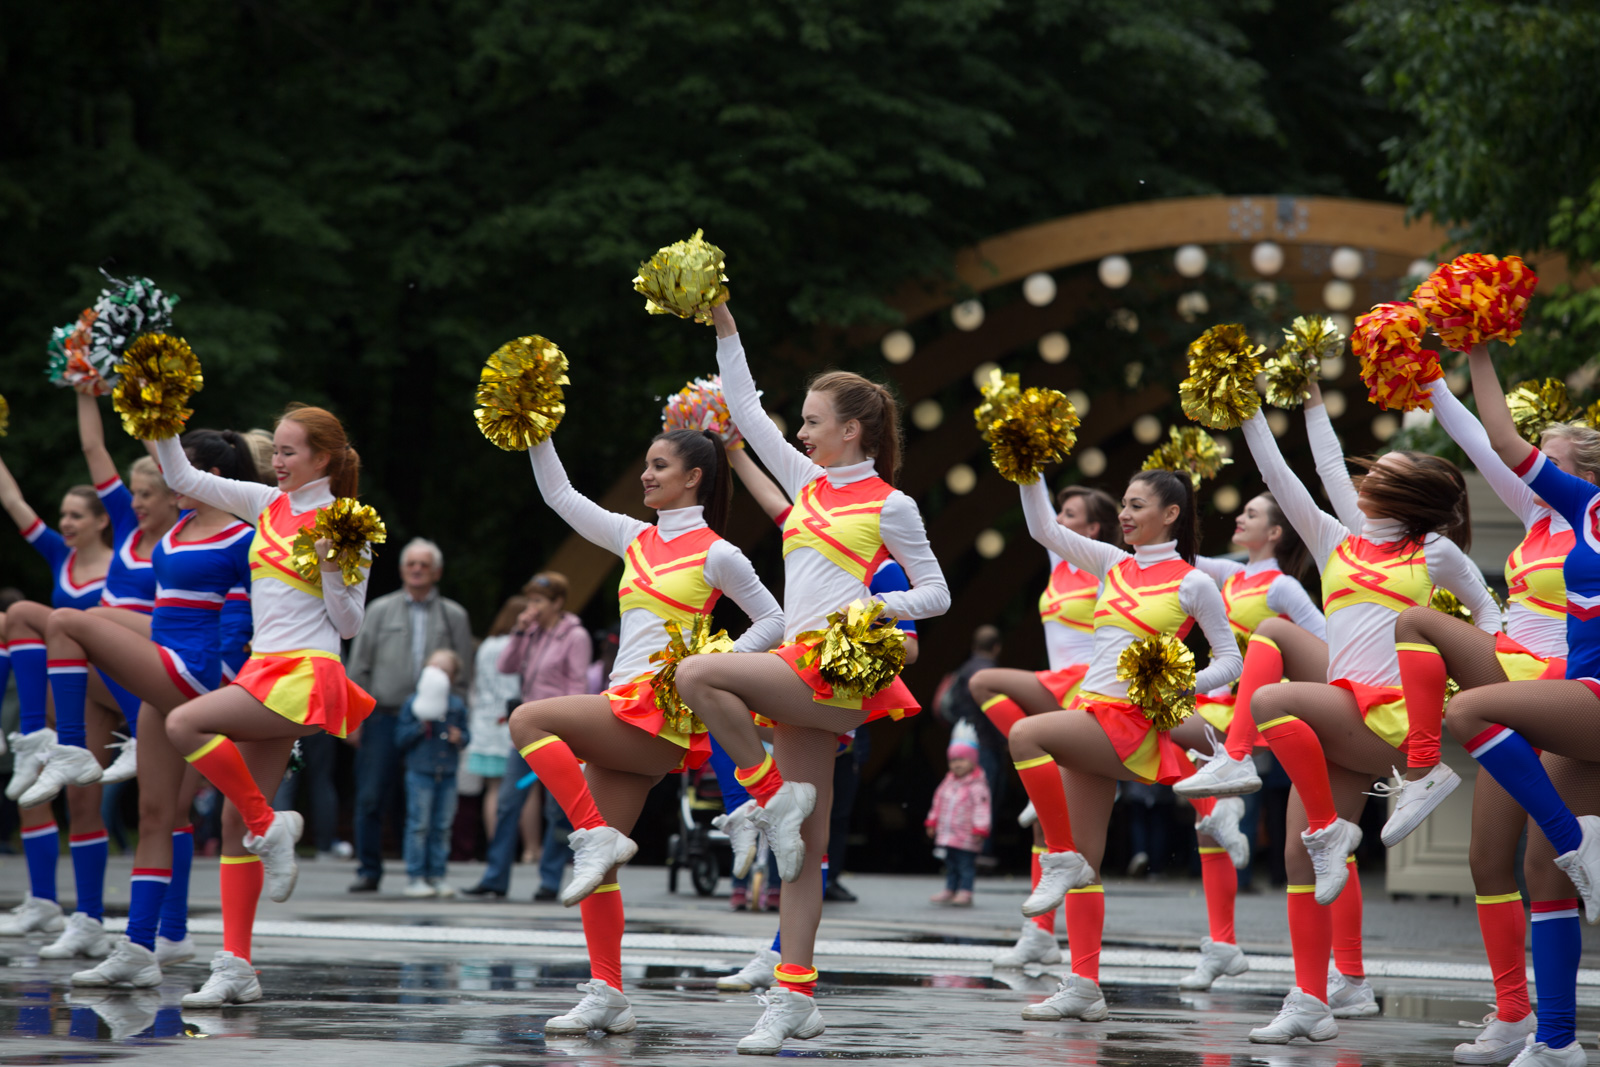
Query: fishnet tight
(1578, 782)
(1551, 715)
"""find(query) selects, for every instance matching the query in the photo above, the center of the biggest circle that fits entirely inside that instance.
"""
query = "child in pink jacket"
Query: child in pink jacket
(958, 822)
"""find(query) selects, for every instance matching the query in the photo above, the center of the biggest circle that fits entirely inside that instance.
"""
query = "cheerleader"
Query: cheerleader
(846, 520)
(1102, 738)
(673, 570)
(293, 684)
(1335, 739)
(1066, 609)
(194, 564)
(1504, 727)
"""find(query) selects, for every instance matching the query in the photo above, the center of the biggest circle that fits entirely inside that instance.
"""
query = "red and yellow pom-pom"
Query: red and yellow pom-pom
(1476, 298)
(1394, 365)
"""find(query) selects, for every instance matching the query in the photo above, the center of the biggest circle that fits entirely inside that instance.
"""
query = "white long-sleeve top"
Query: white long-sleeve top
(1064, 646)
(641, 633)
(1361, 636)
(286, 619)
(1197, 594)
(1543, 635)
(1327, 453)
(1285, 596)
(813, 585)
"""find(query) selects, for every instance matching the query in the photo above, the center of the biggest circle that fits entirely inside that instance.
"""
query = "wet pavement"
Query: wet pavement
(356, 980)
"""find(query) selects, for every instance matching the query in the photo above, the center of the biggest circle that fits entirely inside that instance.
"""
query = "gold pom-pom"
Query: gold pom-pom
(680, 646)
(1037, 428)
(1189, 450)
(684, 279)
(1476, 298)
(861, 652)
(1160, 675)
(158, 374)
(1536, 405)
(1591, 416)
(5, 417)
(520, 402)
(999, 393)
(1307, 341)
(1220, 391)
(1394, 365)
(1447, 603)
(350, 526)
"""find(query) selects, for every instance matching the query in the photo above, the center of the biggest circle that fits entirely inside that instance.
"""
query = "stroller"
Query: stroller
(697, 845)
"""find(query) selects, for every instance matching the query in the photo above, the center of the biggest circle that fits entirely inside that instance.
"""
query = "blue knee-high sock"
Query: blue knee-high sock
(127, 703)
(1557, 946)
(175, 911)
(734, 795)
(41, 846)
(28, 665)
(148, 893)
(69, 684)
(84, 1024)
(89, 855)
(1506, 755)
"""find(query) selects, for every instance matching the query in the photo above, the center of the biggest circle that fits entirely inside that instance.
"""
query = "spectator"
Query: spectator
(956, 705)
(401, 630)
(431, 730)
(958, 822)
(495, 694)
(550, 651)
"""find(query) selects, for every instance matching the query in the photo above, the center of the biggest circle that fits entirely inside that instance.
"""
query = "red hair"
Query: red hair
(325, 435)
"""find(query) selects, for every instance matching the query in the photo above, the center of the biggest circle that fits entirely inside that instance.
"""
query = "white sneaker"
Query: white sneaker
(1035, 945)
(126, 1014)
(1222, 826)
(1330, 849)
(64, 765)
(602, 1008)
(594, 852)
(1078, 998)
(1538, 1054)
(1582, 865)
(1413, 801)
(126, 765)
(757, 974)
(780, 820)
(743, 836)
(1302, 1015)
(442, 889)
(1028, 817)
(1220, 775)
(789, 1014)
(169, 952)
(232, 981)
(1059, 873)
(34, 915)
(1350, 1000)
(128, 965)
(1499, 1042)
(1217, 958)
(417, 888)
(276, 849)
(82, 937)
(29, 751)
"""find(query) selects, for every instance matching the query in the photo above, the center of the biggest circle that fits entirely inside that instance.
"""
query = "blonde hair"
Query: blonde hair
(260, 442)
(450, 659)
(1585, 444)
(145, 467)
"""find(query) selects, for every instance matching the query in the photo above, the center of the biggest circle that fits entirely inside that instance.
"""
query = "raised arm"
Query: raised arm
(1320, 531)
(1451, 569)
(731, 571)
(1080, 551)
(788, 464)
(11, 499)
(1468, 432)
(900, 526)
(245, 499)
(607, 529)
(1200, 598)
(1327, 453)
(1492, 410)
(758, 483)
(92, 438)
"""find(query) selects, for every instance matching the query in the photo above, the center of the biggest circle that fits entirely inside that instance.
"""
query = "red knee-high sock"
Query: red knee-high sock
(1047, 923)
(1086, 922)
(240, 879)
(1204, 806)
(1221, 883)
(797, 978)
(219, 760)
(1346, 922)
(1311, 940)
(1004, 713)
(562, 774)
(1300, 751)
(1263, 665)
(1042, 779)
(602, 932)
(1505, 933)
(1423, 677)
(761, 781)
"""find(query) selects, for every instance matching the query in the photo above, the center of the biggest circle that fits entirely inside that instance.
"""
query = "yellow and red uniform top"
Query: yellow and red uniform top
(1066, 608)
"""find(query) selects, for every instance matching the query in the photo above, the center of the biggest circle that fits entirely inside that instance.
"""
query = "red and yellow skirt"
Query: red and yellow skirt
(895, 701)
(1383, 709)
(1063, 684)
(309, 687)
(1521, 665)
(1149, 753)
(635, 703)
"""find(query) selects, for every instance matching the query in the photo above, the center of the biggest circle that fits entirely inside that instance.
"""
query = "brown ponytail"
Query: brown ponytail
(875, 408)
(1427, 496)
(325, 435)
(703, 450)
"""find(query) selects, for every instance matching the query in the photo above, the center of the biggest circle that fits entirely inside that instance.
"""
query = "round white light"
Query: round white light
(1264, 294)
(1267, 258)
(1420, 268)
(990, 543)
(1080, 402)
(1334, 401)
(1054, 347)
(927, 414)
(1338, 295)
(897, 346)
(1226, 499)
(960, 479)
(1190, 261)
(967, 315)
(1224, 444)
(1346, 263)
(1192, 305)
(1092, 462)
(1146, 429)
(1278, 423)
(1039, 289)
(1385, 426)
(980, 373)
(1115, 272)
(1332, 368)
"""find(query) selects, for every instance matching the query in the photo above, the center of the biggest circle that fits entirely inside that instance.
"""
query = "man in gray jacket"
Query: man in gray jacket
(401, 630)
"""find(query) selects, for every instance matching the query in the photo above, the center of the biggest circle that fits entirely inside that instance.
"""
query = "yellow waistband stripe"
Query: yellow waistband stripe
(1208, 850)
(1037, 761)
(1350, 858)
(1087, 889)
(992, 701)
(1301, 889)
(1500, 898)
(755, 775)
(241, 859)
(1414, 646)
(1040, 850)
(535, 746)
(206, 749)
(1265, 640)
(1280, 720)
(614, 887)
